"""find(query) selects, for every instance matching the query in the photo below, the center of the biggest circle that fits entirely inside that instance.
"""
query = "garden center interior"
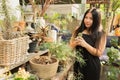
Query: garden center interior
(35, 37)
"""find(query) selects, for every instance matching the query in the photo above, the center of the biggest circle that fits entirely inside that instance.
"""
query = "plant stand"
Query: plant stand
(62, 75)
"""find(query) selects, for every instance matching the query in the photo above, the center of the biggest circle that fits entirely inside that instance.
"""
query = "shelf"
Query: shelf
(28, 57)
(63, 74)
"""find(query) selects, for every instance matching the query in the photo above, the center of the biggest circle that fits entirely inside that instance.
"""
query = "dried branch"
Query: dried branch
(46, 5)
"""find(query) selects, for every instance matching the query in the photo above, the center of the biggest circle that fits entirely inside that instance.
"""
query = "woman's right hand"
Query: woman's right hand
(73, 43)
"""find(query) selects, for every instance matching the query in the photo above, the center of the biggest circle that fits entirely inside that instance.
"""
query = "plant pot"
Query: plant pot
(44, 71)
(32, 46)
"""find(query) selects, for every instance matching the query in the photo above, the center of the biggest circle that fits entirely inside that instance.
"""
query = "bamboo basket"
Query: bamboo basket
(13, 51)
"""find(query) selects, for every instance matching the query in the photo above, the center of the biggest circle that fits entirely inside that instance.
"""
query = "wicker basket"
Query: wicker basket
(21, 48)
(7, 52)
(13, 51)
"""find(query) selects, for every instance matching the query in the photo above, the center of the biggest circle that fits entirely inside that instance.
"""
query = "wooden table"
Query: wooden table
(27, 58)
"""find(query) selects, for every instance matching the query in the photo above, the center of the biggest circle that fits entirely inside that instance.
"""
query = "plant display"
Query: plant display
(113, 54)
(8, 27)
(59, 20)
(7, 23)
(23, 75)
(113, 73)
(113, 63)
(114, 42)
(61, 51)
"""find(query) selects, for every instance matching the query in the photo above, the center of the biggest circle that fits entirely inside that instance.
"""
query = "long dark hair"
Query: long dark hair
(94, 29)
(96, 22)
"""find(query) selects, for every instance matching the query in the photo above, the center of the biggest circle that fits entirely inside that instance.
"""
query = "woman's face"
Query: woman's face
(88, 20)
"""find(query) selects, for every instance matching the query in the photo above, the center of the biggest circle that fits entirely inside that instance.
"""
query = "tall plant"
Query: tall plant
(6, 14)
(7, 23)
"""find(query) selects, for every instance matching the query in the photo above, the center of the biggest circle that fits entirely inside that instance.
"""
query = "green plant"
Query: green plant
(59, 20)
(22, 74)
(114, 42)
(113, 69)
(62, 51)
(7, 21)
(113, 55)
(112, 73)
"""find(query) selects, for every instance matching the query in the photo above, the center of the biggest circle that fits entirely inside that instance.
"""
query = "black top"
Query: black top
(90, 71)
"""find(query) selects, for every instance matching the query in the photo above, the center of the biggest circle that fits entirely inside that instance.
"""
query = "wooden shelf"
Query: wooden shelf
(28, 57)
(63, 74)
(59, 76)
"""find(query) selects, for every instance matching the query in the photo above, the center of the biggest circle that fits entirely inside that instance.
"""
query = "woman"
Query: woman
(91, 45)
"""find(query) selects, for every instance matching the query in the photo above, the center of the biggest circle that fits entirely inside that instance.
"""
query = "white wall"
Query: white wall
(13, 7)
(73, 9)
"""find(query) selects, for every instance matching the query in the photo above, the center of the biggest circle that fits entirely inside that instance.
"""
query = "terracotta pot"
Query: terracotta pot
(44, 71)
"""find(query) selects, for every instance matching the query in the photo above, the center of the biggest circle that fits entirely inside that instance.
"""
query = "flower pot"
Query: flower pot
(44, 71)
(32, 46)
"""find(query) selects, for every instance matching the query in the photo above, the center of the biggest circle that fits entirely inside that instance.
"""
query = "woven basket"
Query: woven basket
(7, 52)
(13, 51)
(21, 48)
(44, 71)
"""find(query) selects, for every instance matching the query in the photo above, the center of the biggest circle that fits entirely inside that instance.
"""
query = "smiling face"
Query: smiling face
(88, 20)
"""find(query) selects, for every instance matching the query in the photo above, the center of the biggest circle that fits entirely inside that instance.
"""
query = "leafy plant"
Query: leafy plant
(62, 51)
(7, 22)
(113, 54)
(59, 20)
(23, 75)
(112, 73)
(113, 70)
(114, 42)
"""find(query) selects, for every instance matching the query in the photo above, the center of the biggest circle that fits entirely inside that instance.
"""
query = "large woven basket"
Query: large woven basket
(44, 71)
(13, 51)
(21, 48)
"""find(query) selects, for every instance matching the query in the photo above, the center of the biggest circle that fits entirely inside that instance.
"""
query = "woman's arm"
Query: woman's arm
(73, 42)
(94, 51)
